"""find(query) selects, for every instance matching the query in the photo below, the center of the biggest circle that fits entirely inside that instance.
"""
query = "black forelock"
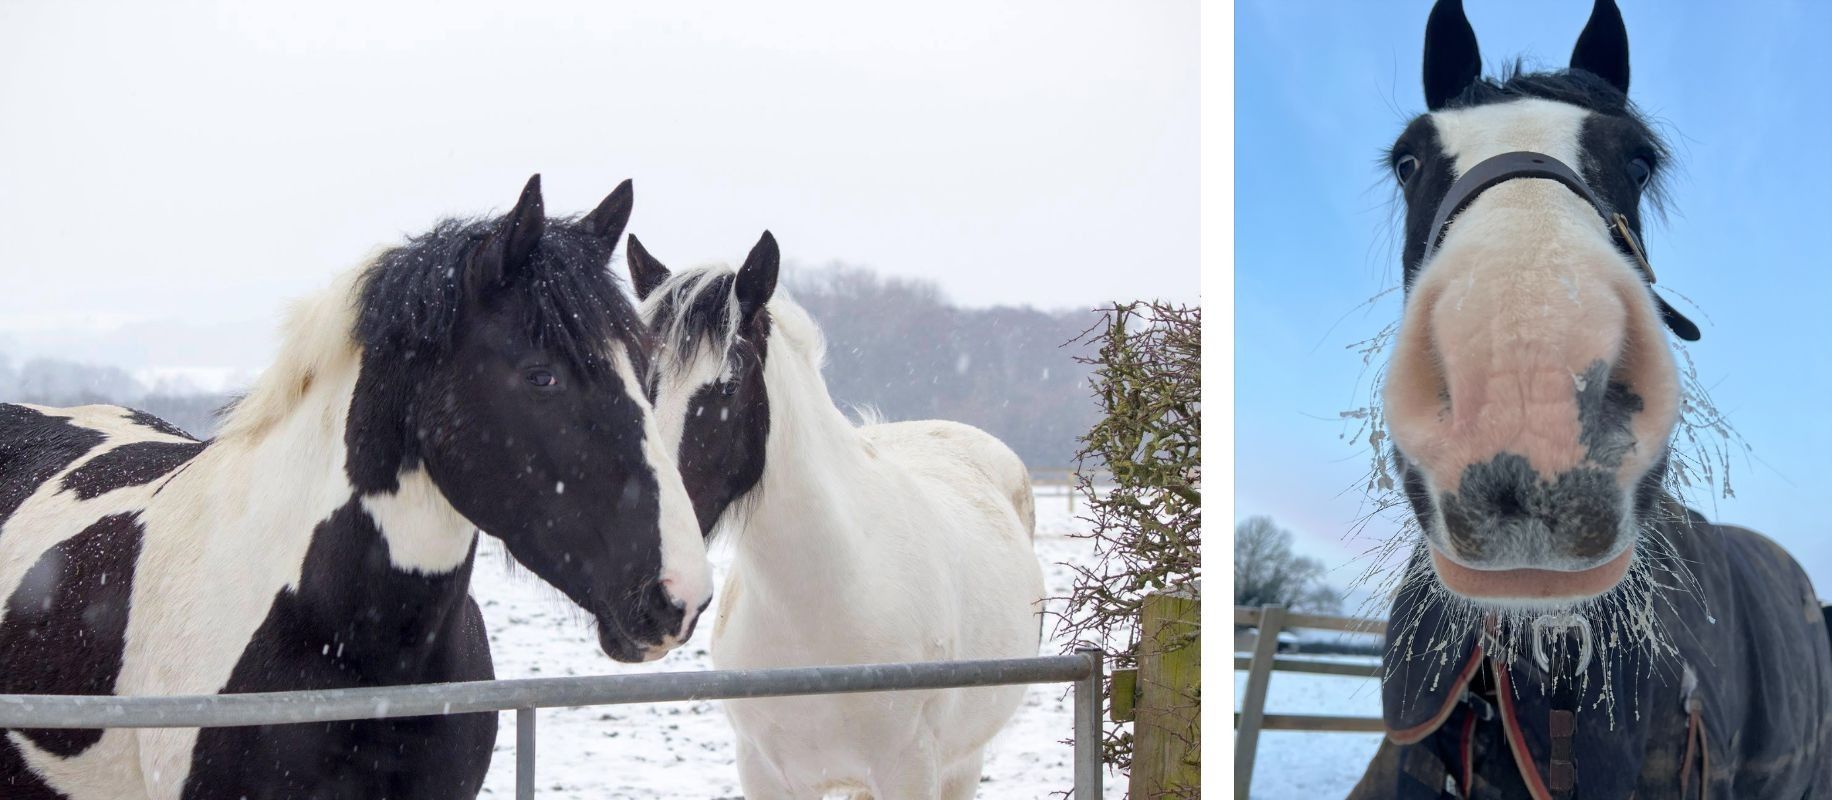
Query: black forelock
(1574, 86)
(411, 299)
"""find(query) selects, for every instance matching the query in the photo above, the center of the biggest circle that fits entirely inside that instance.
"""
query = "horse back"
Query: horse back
(958, 455)
(67, 566)
(1770, 667)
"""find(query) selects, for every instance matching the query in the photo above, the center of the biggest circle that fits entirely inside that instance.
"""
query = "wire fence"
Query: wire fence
(1085, 669)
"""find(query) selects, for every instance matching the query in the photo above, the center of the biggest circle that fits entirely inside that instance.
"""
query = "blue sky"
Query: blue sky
(1741, 92)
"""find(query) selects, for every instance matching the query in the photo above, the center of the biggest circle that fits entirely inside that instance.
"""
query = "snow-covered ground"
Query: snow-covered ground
(684, 750)
(1294, 764)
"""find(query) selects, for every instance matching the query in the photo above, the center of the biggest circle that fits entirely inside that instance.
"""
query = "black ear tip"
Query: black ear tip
(636, 245)
(1602, 47)
(531, 201)
(623, 194)
(1453, 60)
(1448, 11)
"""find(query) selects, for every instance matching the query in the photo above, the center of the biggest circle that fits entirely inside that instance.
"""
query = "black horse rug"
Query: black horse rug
(1733, 700)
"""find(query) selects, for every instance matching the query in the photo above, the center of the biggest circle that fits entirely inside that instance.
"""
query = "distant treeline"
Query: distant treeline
(898, 346)
(893, 345)
(54, 382)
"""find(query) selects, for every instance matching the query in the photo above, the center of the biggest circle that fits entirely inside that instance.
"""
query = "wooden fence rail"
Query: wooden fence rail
(1252, 717)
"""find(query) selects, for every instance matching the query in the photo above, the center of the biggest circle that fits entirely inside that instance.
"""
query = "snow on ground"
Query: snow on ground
(1295, 764)
(684, 750)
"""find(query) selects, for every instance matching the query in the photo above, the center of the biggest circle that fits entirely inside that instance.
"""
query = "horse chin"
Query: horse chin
(620, 647)
(1531, 589)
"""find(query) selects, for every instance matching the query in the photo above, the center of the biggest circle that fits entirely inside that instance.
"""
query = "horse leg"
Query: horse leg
(761, 778)
(963, 778)
(914, 775)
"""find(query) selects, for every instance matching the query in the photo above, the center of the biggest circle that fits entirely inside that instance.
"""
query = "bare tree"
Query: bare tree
(1266, 572)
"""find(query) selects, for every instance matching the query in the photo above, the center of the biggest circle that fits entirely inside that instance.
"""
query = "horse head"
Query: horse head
(1532, 392)
(713, 326)
(501, 356)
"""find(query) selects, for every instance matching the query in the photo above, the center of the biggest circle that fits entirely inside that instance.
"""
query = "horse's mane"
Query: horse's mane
(698, 307)
(411, 296)
(1574, 87)
(403, 307)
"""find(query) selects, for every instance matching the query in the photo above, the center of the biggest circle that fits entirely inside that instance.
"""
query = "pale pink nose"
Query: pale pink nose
(1532, 400)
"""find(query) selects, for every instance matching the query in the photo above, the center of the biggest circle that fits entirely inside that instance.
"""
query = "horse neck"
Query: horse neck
(272, 498)
(805, 513)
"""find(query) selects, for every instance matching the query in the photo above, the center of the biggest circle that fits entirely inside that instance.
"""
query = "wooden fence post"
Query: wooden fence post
(1167, 726)
(1253, 703)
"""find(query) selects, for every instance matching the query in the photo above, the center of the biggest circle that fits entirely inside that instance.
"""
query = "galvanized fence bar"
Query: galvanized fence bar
(1085, 669)
(524, 754)
(384, 702)
(1089, 733)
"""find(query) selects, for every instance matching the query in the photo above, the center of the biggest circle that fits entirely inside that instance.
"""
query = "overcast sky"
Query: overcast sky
(171, 173)
(1740, 91)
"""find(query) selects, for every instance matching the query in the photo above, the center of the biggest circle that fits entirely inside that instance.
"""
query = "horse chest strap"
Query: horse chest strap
(1561, 772)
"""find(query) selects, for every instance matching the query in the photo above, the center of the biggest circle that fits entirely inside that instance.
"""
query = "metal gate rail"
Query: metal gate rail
(1085, 669)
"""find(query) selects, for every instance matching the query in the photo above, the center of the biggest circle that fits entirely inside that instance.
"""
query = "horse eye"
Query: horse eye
(729, 388)
(1640, 170)
(542, 378)
(1404, 167)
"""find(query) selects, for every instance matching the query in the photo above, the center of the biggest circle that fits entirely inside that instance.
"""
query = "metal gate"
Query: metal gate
(1085, 669)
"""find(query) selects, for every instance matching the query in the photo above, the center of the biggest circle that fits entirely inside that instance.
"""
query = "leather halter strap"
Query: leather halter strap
(1500, 169)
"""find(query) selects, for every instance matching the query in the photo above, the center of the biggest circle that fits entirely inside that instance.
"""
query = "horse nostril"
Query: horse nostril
(1508, 501)
(667, 585)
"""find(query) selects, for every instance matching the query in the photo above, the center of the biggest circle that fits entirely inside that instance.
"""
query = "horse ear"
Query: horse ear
(1602, 48)
(757, 278)
(509, 247)
(645, 272)
(1452, 60)
(610, 217)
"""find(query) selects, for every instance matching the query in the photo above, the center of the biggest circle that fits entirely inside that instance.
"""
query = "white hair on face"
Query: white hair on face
(678, 296)
(1473, 135)
(685, 297)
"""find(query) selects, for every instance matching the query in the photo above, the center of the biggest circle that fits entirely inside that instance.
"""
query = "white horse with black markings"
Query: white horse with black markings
(908, 541)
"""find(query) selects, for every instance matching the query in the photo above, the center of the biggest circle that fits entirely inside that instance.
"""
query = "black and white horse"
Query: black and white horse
(1566, 627)
(905, 541)
(483, 375)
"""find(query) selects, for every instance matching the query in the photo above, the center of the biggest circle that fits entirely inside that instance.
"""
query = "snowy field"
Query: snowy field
(1294, 765)
(684, 750)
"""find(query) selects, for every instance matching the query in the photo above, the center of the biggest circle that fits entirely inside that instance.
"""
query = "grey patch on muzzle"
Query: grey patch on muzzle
(1605, 410)
(1505, 513)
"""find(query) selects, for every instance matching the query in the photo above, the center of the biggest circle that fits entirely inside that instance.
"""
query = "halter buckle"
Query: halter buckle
(1627, 236)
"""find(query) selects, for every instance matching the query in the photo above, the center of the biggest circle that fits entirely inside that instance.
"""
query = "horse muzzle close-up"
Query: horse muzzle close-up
(666, 624)
(1532, 393)
(660, 616)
